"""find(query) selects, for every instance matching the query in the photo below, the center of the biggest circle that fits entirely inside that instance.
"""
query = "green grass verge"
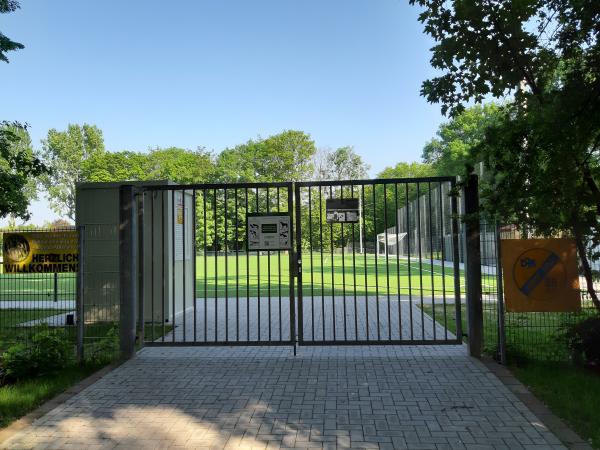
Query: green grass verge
(572, 393)
(20, 398)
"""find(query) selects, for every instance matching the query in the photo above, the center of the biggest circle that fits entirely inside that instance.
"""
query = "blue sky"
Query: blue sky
(215, 73)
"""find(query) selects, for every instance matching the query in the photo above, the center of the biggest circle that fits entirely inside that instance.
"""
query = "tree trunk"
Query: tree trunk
(589, 179)
(587, 270)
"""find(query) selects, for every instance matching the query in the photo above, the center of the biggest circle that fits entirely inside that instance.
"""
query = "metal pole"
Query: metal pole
(360, 225)
(127, 270)
(79, 306)
(500, 299)
(55, 287)
(473, 267)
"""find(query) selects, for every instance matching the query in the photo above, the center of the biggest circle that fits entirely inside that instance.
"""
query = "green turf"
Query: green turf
(37, 286)
(364, 274)
(12, 317)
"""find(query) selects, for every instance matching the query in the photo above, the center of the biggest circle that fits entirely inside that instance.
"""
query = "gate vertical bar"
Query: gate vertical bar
(293, 338)
(140, 276)
(343, 272)
(152, 197)
(225, 242)
(173, 244)
(194, 261)
(333, 316)
(299, 271)
(80, 295)
(237, 269)
(455, 259)
(473, 267)
(184, 270)
(443, 255)
(127, 270)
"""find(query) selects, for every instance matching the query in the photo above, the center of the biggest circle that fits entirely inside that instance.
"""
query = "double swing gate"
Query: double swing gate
(309, 263)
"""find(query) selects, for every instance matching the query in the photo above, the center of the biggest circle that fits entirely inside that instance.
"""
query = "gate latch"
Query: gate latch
(297, 265)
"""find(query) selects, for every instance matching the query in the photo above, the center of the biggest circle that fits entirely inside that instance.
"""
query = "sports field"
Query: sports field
(37, 286)
(253, 276)
(363, 274)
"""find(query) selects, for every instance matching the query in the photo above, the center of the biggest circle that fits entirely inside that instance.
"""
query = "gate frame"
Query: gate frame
(456, 267)
(129, 247)
(288, 187)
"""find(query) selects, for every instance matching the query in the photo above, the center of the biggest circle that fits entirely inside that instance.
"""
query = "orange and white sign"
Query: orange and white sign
(540, 275)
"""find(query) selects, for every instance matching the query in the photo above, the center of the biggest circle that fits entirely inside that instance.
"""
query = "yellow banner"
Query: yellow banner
(41, 251)
(540, 275)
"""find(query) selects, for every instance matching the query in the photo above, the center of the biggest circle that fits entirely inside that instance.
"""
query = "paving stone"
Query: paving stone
(369, 397)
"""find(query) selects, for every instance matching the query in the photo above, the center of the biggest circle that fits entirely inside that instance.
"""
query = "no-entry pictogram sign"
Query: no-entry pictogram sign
(540, 275)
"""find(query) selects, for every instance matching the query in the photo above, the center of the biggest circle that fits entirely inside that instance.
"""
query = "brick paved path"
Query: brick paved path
(396, 397)
(378, 318)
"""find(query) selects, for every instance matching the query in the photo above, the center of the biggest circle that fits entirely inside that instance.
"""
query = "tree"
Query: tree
(286, 156)
(115, 166)
(340, 164)
(6, 44)
(65, 153)
(181, 165)
(19, 166)
(541, 154)
(58, 224)
(452, 149)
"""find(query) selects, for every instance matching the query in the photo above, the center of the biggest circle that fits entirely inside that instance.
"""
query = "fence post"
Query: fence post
(473, 267)
(140, 267)
(127, 270)
(500, 299)
(79, 310)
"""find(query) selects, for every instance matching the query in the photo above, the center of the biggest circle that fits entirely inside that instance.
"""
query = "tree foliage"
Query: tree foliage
(286, 156)
(541, 153)
(19, 166)
(452, 150)
(7, 44)
(340, 164)
(65, 152)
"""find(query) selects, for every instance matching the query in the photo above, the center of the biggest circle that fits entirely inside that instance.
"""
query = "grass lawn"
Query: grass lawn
(216, 276)
(12, 317)
(18, 399)
(489, 317)
(572, 393)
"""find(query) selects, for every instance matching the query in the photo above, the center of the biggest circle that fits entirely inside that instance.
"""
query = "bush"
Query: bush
(46, 352)
(583, 341)
(105, 350)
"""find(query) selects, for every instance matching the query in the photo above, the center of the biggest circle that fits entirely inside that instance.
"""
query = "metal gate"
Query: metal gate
(212, 289)
(376, 262)
(379, 262)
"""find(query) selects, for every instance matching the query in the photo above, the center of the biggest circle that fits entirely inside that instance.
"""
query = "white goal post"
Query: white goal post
(389, 245)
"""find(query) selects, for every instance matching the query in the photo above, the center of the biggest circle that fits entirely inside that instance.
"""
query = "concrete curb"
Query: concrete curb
(28, 419)
(566, 435)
